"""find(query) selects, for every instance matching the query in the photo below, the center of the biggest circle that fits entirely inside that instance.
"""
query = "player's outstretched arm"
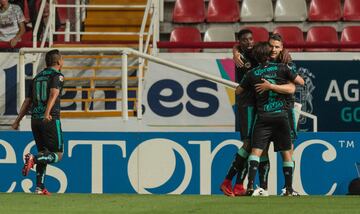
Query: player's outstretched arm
(288, 88)
(24, 108)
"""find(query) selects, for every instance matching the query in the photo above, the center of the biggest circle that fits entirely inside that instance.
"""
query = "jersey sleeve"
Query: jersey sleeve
(19, 14)
(245, 82)
(290, 71)
(57, 81)
(292, 67)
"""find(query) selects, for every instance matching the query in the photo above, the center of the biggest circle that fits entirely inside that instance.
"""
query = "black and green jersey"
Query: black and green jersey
(275, 73)
(40, 90)
(246, 98)
(290, 97)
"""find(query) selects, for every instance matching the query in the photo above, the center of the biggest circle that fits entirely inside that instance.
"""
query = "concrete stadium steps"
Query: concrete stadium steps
(114, 20)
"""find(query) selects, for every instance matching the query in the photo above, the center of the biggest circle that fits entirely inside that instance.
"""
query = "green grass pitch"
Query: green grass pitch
(127, 203)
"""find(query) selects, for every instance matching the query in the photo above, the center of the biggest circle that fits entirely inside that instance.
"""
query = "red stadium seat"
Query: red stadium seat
(260, 34)
(291, 35)
(351, 10)
(325, 10)
(189, 11)
(350, 34)
(223, 11)
(322, 35)
(62, 11)
(185, 34)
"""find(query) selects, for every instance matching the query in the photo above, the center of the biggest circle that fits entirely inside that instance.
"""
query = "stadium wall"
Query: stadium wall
(174, 162)
(185, 141)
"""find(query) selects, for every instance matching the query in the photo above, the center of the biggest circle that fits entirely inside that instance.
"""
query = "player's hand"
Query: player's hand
(238, 90)
(237, 59)
(13, 42)
(285, 56)
(15, 125)
(262, 87)
(47, 118)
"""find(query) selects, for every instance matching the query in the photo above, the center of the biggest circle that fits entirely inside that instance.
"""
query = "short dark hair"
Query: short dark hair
(243, 32)
(261, 51)
(52, 57)
(276, 37)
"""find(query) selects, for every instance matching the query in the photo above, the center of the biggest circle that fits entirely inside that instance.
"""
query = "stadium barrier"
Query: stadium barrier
(173, 163)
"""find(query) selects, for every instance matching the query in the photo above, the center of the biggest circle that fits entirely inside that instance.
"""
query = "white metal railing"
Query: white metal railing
(152, 12)
(121, 51)
(125, 52)
(50, 30)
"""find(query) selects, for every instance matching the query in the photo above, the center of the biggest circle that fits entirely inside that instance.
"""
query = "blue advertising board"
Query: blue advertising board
(173, 163)
(331, 93)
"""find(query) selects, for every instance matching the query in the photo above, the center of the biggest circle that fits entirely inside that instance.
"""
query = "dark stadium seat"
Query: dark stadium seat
(223, 11)
(325, 10)
(185, 34)
(351, 10)
(322, 35)
(189, 11)
(350, 34)
(260, 34)
(291, 35)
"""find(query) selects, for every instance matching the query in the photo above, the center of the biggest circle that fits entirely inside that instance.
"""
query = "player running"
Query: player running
(43, 98)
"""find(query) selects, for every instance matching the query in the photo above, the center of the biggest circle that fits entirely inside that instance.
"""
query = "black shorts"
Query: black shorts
(293, 124)
(271, 127)
(244, 121)
(47, 135)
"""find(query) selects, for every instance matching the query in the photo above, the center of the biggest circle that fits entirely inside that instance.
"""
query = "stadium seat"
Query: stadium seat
(62, 11)
(290, 11)
(350, 34)
(260, 34)
(325, 10)
(185, 34)
(223, 11)
(351, 10)
(219, 34)
(189, 11)
(256, 11)
(291, 35)
(322, 35)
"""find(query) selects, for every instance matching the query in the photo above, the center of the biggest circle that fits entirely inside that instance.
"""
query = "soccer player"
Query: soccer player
(278, 55)
(277, 49)
(271, 122)
(43, 98)
(244, 113)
